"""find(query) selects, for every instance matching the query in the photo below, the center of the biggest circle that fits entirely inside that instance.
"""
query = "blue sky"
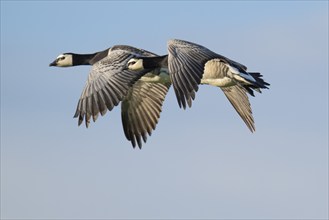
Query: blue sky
(199, 163)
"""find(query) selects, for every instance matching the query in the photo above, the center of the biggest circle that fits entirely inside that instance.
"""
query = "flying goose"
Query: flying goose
(190, 64)
(110, 81)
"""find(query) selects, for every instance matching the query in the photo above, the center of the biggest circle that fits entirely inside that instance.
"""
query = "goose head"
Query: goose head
(63, 60)
(135, 64)
(143, 63)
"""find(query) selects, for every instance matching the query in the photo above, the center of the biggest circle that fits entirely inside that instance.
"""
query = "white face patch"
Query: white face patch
(64, 60)
(60, 56)
(135, 64)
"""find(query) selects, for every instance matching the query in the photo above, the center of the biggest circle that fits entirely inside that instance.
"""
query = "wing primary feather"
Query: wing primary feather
(237, 96)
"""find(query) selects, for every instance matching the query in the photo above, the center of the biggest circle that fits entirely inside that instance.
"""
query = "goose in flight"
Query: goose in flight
(110, 81)
(190, 64)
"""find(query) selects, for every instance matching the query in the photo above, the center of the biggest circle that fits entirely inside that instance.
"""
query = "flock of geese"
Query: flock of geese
(140, 80)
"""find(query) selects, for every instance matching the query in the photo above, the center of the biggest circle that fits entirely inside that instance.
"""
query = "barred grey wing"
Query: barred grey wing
(108, 83)
(140, 110)
(237, 95)
(186, 64)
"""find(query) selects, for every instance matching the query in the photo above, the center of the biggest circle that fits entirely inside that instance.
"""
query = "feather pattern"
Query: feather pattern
(185, 63)
(141, 108)
(237, 95)
(107, 84)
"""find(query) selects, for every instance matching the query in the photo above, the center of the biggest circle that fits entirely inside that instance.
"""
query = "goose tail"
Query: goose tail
(257, 85)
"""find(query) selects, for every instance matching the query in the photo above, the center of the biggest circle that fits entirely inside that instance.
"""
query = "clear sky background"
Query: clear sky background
(199, 163)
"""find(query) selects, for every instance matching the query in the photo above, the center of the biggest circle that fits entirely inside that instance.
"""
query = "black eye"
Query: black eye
(60, 58)
(132, 62)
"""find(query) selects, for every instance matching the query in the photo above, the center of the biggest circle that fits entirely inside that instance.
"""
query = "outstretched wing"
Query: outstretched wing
(237, 95)
(108, 82)
(186, 62)
(141, 108)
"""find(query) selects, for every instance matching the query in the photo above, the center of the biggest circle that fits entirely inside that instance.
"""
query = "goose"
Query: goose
(110, 82)
(190, 65)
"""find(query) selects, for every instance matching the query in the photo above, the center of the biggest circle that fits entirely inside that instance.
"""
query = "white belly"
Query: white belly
(214, 69)
(224, 82)
(215, 74)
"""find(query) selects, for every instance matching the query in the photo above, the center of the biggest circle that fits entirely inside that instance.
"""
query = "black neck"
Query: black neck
(82, 59)
(155, 62)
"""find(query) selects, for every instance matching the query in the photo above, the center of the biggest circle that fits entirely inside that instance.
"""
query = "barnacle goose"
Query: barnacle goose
(110, 81)
(190, 64)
